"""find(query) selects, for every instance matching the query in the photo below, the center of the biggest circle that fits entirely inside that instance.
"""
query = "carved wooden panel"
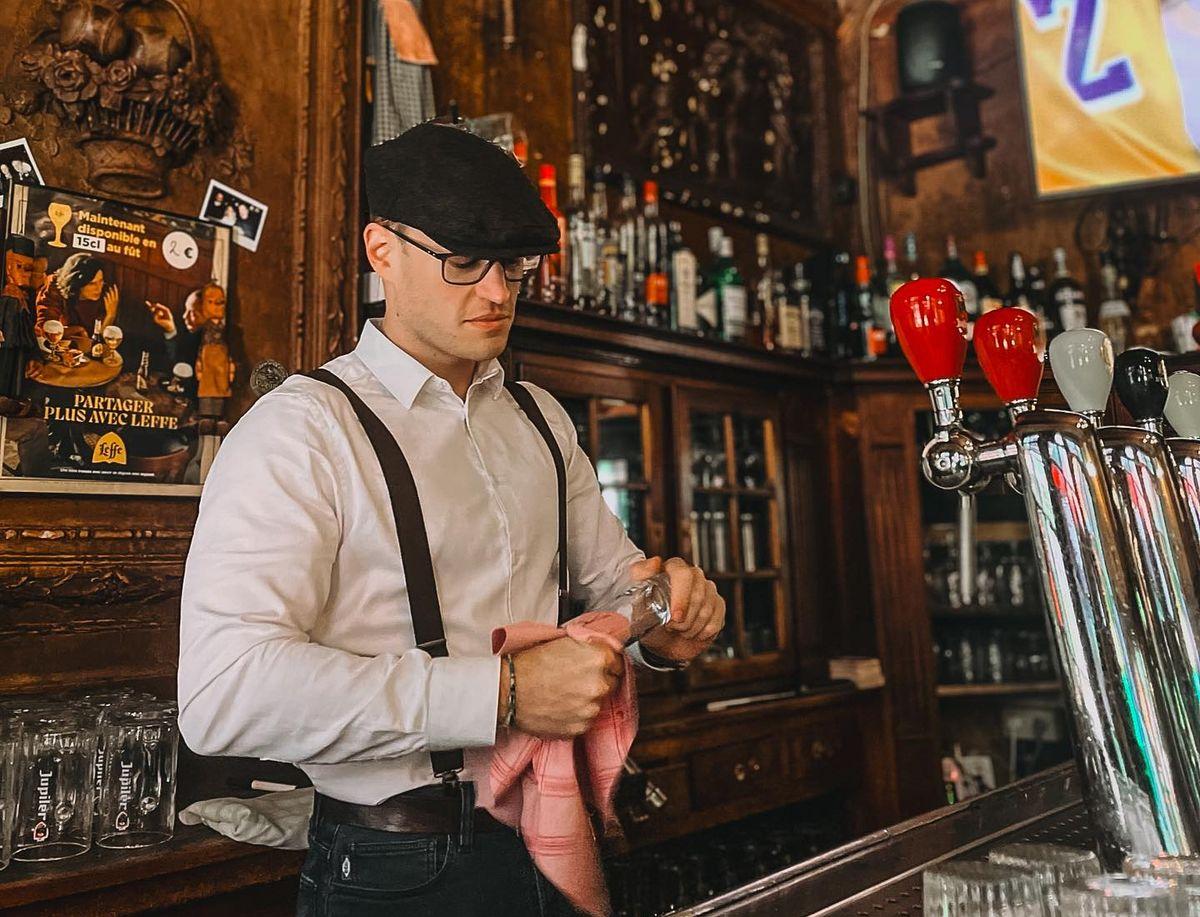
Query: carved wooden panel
(905, 640)
(727, 105)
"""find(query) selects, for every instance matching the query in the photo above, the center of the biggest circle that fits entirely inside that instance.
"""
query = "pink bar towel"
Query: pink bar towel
(543, 787)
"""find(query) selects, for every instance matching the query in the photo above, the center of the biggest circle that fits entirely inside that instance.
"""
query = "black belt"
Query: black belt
(436, 809)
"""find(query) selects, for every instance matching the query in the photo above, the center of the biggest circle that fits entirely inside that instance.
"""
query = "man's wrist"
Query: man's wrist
(654, 661)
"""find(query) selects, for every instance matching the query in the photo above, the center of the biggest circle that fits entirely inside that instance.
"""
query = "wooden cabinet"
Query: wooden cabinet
(718, 455)
(714, 470)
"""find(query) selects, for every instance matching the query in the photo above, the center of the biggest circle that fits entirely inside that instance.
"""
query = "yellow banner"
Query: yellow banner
(1113, 90)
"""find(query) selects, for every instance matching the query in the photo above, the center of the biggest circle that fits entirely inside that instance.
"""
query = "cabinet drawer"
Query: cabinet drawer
(735, 771)
(823, 751)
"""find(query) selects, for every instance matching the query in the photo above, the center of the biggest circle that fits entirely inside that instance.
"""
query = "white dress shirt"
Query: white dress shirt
(296, 642)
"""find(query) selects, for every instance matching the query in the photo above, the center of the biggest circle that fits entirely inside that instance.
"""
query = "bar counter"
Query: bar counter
(879, 875)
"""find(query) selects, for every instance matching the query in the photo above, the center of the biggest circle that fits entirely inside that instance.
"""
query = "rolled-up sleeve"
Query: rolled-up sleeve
(251, 681)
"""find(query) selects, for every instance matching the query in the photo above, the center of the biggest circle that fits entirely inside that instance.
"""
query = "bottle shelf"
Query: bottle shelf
(1004, 689)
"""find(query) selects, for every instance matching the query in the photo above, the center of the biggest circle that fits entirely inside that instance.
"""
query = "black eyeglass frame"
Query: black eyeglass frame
(443, 257)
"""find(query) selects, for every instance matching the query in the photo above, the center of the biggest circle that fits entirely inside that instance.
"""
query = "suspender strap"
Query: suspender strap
(529, 405)
(414, 545)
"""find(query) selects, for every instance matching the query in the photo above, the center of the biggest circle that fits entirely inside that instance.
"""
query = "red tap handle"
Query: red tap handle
(930, 319)
(1010, 351)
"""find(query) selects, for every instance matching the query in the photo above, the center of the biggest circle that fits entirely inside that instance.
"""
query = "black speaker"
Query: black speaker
(931, 49)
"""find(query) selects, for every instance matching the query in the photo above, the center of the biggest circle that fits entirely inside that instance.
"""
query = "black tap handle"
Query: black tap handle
(1140, 379)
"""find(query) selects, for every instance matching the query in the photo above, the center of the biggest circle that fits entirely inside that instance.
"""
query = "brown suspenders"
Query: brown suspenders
(414, 543)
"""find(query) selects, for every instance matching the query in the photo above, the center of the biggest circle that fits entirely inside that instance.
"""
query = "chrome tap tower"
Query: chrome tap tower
(1124, 655)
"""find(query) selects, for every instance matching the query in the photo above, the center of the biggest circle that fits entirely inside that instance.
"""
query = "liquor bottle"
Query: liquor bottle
(956, 272)
(550, 277)
(608, 262)
(792, 334)
(1018, 290)
(1116, 318)
(709, 317)
(764, 311)
(581, 235)
(874, 341)
(682, 284)
(1066, 297)
(1018, 293)
(989, 294)
(910, 256)
(1037, 299)
(845, 337)
(654, 236)
(142, 381)
(629, 244)
(812, 313)
(892, 278)
(731, 291)
(1183, 327)
(97, 350)
(886, 282)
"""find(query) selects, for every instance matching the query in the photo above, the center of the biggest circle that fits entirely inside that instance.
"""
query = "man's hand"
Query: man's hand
(162, 317)
(560, 685)
(697, 610)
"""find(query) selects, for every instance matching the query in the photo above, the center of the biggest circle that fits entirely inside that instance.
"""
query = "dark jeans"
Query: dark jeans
(360, 872)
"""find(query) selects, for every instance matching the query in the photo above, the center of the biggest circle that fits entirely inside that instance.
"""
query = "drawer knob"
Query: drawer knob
(740, 772)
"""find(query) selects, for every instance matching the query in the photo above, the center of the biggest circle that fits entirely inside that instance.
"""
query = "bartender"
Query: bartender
(298, 638)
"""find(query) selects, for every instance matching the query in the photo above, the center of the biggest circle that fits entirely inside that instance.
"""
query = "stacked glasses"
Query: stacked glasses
(1047, 880)
(76, 770)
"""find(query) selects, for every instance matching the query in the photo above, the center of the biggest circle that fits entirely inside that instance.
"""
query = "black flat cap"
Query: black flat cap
(21, 245)
(463, 191)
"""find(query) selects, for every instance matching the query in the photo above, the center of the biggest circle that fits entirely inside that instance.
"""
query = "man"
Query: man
(19, 353)
(297, 636)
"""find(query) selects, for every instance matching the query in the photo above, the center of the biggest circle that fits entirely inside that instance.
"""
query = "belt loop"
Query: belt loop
(466, 821)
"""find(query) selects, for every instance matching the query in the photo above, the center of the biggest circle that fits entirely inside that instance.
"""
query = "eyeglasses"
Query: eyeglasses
(464, 270)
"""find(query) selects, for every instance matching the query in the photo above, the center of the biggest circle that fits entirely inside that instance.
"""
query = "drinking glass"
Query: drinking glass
(10, 741)
(1054, 863)
(973, 888)
(1127, 896)
(112, 336)
(137, 803)
(99, 705)
(1182, 872)
(53, 818)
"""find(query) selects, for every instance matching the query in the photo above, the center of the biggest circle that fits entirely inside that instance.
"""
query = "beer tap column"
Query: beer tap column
(1183, 411)
(1121, 744)
(1160, 626)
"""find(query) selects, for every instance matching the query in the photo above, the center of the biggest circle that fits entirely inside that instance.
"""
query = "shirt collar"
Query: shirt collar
(403, 375)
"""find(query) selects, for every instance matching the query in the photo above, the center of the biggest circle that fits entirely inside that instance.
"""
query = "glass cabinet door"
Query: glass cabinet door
(1000, 705)
(731, 523)
(615, 419)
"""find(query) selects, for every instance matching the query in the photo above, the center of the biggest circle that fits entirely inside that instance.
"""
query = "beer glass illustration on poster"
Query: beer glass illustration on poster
(120, 297)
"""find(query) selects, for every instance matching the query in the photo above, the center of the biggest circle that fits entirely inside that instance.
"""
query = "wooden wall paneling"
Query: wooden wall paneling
(91, 585)
(810, 510)
(889, 459)
(326, 209)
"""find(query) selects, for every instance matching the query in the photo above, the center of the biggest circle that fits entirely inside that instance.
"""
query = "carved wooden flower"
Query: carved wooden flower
(71, 75)
(116, 80)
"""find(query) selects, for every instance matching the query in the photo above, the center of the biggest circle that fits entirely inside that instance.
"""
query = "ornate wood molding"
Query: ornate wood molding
(67, 585)
(326, 219)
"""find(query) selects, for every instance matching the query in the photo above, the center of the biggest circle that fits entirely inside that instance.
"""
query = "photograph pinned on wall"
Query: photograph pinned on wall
(17, 164)
(242, 213)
